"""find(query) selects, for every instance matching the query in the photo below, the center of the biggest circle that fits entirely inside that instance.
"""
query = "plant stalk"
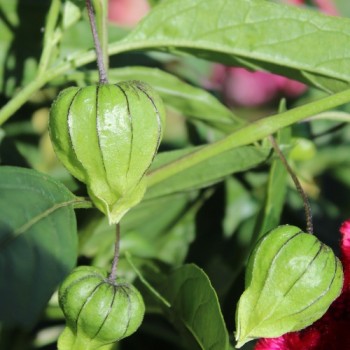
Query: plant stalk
(51, 38)
(101, 13)
(100, 61)
(306, 203)
(113, 274)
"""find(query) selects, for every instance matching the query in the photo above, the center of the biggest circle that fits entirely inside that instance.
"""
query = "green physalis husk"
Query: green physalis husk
(98, 312)
(291, 280)
(107, 136)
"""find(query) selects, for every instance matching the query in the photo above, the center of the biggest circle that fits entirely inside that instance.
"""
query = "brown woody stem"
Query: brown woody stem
(307, 207)
(100, 64)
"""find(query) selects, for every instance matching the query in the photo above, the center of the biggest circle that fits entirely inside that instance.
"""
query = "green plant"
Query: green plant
(213, 189)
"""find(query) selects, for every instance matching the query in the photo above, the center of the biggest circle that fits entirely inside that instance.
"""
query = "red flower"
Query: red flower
(332, 331)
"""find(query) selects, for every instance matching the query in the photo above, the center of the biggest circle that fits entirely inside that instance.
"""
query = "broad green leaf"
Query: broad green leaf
(194, 310)
(256, 34)
(38, 242)
(204, 173)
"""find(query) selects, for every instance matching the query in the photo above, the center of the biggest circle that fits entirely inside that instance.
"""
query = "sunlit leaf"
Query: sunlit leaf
(254, 34)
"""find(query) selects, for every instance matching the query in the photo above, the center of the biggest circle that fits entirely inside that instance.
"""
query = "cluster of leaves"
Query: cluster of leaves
(213, 189)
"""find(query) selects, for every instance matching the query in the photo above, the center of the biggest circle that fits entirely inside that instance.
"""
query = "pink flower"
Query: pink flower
(326, 6)
(127, 13)
(245, 88)
(294, 2)
(332, 331)
(240, 87)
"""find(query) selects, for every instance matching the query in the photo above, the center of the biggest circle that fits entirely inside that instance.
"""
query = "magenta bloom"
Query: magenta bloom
(332, 331)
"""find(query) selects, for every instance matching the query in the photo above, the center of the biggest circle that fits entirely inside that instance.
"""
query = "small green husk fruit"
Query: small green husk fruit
(98, 312)
(291, 280)
(107, 137)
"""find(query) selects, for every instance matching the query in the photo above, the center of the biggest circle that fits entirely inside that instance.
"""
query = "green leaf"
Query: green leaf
(71, 13)
(195, 310)
(145, 282)
(239, 205)
(77, 38)
(189, 100)
(38, 242)
(205, 173)
(250, 33)
(146, 234)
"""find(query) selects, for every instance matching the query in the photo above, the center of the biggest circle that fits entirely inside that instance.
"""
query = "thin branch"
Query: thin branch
(307, 207)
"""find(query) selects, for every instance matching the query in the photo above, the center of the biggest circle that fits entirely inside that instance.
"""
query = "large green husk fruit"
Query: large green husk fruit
(98, 311)
(291, 280)
(107, 136)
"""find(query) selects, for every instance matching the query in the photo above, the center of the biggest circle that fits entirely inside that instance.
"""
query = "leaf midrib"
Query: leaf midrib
(167, 45)
(34, 220)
